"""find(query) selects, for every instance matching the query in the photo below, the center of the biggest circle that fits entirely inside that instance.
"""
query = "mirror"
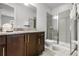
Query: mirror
(31, 17)
(23, 16)
(6, 14)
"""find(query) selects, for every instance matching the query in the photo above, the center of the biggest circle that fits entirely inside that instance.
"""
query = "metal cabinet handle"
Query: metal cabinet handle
(39, 41)
(3, 51)
(28, 38)
(42, 34)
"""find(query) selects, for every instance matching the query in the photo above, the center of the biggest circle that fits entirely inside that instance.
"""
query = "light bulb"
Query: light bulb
(55, 17)
(26, 4)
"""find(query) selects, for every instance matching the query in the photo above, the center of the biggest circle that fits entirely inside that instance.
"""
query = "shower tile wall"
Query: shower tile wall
(49, 26)
(64, 26)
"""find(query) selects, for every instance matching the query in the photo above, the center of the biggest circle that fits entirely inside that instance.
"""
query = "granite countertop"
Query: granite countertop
(19, 32)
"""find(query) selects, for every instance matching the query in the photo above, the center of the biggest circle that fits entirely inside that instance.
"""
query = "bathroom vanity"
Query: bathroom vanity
(21, 43)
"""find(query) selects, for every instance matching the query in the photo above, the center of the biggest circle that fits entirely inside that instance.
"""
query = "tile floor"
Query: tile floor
(54, 49)
(55, 52)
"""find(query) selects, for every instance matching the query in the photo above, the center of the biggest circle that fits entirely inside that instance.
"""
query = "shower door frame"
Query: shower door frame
(76, 39)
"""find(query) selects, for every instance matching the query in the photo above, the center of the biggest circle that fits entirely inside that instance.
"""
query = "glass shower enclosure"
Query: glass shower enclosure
(68, 28)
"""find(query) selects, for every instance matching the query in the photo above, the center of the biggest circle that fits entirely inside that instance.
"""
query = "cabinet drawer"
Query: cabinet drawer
(2, 40)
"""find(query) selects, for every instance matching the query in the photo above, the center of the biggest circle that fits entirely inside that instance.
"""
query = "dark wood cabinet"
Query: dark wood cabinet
(34, 43)
(40, 44)
(27, 44)
(30, 44)
(15, 45)
(2, 51)
(2, 45)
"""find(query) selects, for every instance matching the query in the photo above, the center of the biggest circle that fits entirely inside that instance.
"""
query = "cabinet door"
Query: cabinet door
(15, 45)
(40, 45)
(2, 46)
(2, 51)
(42, 41)
(31, 44)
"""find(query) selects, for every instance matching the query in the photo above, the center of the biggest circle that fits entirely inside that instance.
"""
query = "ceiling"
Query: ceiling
(53, 5)
(49, 5)
(30, 7)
